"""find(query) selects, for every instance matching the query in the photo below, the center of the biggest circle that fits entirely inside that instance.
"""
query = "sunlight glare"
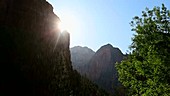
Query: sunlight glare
(62, 27)
(68, 23)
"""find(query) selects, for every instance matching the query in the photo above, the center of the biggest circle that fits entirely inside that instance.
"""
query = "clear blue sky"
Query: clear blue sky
(103, 21)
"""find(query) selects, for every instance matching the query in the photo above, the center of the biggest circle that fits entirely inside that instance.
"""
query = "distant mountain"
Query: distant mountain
(100, 68)
(80, 56)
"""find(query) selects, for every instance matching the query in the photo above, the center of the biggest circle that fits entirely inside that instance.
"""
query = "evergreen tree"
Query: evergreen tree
(146, 71)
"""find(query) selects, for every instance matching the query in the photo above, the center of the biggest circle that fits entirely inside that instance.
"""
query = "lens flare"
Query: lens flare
(69, 22)
(62, 27)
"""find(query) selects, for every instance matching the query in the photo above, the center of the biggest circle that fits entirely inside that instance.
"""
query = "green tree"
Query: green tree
(146, 70)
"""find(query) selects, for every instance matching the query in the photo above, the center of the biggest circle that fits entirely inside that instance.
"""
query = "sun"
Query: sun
(62, 27)
(68, 23)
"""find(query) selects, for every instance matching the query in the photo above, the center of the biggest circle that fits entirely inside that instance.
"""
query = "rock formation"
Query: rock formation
(100, 68)
(103, 59)
(35, 56)
(80, 57)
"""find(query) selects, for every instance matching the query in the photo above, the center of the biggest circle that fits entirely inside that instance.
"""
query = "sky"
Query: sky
(94, 23)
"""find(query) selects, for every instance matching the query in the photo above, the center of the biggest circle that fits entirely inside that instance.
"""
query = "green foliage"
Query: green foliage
(146, 71)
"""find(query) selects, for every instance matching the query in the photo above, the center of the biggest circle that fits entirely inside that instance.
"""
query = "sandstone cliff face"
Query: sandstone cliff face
(104, 58)
(34, 55)
(101, 68)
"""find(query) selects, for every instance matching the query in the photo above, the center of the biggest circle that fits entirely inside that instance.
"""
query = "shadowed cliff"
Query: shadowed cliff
(35, 55)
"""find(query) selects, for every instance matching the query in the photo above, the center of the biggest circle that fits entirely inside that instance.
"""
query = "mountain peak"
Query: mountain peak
(80, 48)
(107, 47)
(110, 48)
(99, 67)
(80, 57)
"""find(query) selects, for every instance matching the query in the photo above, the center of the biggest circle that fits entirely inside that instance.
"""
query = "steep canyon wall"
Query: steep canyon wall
(34, 55)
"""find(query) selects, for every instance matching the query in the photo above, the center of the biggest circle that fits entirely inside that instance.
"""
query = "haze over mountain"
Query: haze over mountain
(101, 67)
(80, 57)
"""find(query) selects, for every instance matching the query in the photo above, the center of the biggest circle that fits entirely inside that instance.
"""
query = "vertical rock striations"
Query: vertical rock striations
(34, 55)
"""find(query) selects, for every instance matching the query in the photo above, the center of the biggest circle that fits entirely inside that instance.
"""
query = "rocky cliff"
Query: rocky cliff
(99, 67)
(80, 57)
(34, 55)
